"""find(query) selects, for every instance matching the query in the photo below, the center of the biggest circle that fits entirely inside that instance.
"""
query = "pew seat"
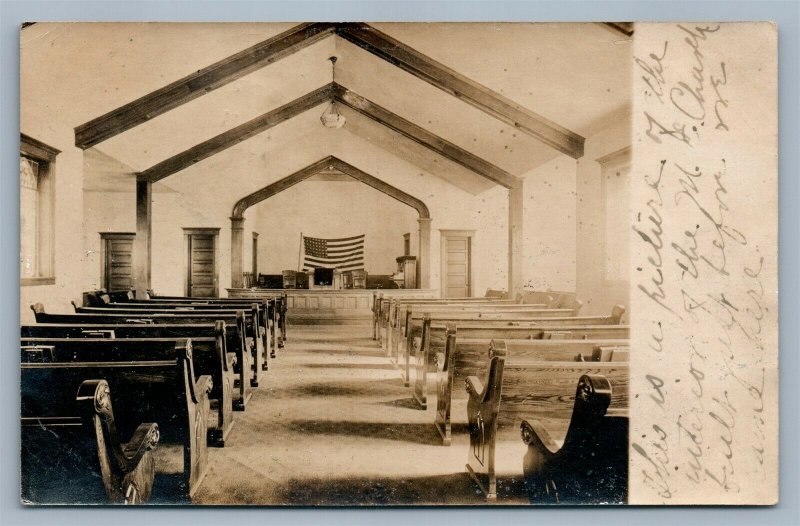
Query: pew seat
(163, 391)
(590, 465)
(210, 358)
(66, 446)
(515, 389)
(463, 358)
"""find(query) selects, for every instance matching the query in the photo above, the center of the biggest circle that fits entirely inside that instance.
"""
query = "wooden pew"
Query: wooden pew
(514, 389)
(400, 313)
(257, 321)
(255, 339)
(383, 307)
(234, 335)
(272, 308)
(162, 391)
(590, 465)
(463, 358)
(210, 358)
(403, 352)
(67, 442)
(279, 298)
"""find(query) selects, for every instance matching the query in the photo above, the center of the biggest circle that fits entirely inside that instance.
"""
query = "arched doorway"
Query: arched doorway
(330, 162)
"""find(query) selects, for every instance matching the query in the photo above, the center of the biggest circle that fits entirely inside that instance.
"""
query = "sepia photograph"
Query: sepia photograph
(398, 264)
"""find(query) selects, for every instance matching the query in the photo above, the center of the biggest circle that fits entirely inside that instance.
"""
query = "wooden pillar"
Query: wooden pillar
(424, 259)
(142, 252)
(237, 252)
(515, 239)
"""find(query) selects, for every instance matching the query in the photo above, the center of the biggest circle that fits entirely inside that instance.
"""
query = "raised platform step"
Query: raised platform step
(328, 317)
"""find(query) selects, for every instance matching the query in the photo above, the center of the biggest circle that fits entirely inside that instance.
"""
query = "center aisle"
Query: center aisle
(334, 425)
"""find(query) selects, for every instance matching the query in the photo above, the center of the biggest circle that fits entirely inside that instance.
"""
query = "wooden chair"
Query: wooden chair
(290, 279)
(591, 465)
(67, 443)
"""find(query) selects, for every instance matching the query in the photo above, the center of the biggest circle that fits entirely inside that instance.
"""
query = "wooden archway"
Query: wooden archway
(329, 162)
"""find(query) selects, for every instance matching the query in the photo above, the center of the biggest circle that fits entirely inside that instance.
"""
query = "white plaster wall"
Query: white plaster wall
(549, 254)
(598, 293)
(331, 209)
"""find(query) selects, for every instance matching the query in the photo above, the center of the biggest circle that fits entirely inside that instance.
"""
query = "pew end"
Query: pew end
(617, 312)
(591, 466)
(92, 446)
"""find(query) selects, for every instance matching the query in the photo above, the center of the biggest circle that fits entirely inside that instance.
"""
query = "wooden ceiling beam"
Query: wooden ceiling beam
(237, 134)
(423, 137)
(199, 83)
(452, 82)
(323, 165)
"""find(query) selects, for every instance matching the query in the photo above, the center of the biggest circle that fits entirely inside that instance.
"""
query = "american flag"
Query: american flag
(346, 253)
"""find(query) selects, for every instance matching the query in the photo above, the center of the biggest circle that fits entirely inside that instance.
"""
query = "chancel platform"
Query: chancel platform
(330, 305)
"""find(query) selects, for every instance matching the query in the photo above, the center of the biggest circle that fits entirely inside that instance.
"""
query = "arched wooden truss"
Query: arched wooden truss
(328, 163)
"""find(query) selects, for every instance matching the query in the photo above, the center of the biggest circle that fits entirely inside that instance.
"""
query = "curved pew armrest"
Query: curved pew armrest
(535, 435)
(202, 387)
(474, 387)
(232, 359)
(144, 439)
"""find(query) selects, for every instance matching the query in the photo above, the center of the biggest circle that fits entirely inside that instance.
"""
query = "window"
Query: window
(615, 171)
(36, 209)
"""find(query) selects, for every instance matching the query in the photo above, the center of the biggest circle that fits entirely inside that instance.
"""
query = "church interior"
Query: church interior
(205, 171)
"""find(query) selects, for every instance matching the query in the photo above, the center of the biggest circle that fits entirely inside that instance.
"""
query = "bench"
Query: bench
(67, 443)
(235, 342)
(514, 389)
(558, 327)
(210, 358)
(255, 340)
(257, 325)
(160, 391)
(280, 300)
(401, 314)
(553, 298)
(590, 466)
(382, 307)
(463, 358)
(272, 309)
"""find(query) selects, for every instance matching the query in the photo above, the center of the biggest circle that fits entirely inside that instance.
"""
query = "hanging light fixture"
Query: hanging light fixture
(331, 118)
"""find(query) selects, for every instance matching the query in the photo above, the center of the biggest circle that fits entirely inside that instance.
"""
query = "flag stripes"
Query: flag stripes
(346, 253)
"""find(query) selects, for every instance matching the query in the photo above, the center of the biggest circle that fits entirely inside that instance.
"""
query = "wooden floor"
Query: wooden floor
(334, 425)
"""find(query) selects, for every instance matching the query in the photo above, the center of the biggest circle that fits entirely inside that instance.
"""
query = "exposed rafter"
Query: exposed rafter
(478, 95)
(329, 162)
(423, 137)
(199, 83)
(236, 135)
(348, 98)
(363, 35)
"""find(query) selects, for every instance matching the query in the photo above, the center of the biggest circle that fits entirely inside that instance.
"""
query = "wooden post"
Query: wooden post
(237, 252)
(142, 255)
(423, 261)
(515, 239)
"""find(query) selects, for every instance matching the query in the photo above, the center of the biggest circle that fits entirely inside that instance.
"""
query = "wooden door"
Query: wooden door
(456, 258)
(201, 272)
(117, 261)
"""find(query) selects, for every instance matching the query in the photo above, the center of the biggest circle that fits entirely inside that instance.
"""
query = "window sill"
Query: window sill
(27, 282)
